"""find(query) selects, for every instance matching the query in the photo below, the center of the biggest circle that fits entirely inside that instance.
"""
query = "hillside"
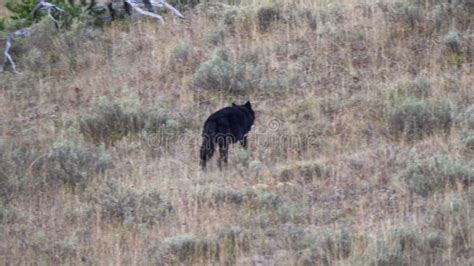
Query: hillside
(362, 152)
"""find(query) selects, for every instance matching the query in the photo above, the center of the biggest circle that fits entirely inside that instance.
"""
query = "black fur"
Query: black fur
(224, 127)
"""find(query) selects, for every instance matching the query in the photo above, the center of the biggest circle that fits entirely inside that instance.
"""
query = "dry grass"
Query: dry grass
(330, 176)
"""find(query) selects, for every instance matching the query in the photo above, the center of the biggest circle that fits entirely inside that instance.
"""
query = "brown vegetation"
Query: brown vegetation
(361, 154)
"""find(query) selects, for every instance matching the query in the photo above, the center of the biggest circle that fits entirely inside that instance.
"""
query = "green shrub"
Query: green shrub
(230, 18)
(73, 163)
(15, 161)
(414, 119)
(268, 15)
(131, 206)
(468, 144)
(216, 73)
(309, 171)
(422, 87)
(187, 249)
(23, 11)
(216, 196)
(221, 73)
(216, 35)
(452, 41)
(303, 15)
(435, 174)
(291, 212)
(181, 54)
(325, 247)
(109, 122)
(231, 240)
(263, 200)
(181, 4)
(405, 12)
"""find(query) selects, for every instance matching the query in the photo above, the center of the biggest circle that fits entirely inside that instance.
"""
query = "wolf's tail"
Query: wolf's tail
(207, 147)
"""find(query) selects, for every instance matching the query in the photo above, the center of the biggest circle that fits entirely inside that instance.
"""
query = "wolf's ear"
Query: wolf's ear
(248, 105)
(234, 105)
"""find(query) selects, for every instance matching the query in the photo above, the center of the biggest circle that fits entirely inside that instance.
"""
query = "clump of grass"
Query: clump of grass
(309, 171)
(216, 73)
(468, 144)
(303, 15)
(325, 247)
(187, 248)
(434, 175)
(450, 219)
(408, 245)
(452, 41)
(15, 161)
(73, 163)
(57, 251)
(181, 57)
(220, 73)
(109, 122)
(268, 15)
(231, 19)
(216, 196)
(422, 87)
(405, 12)
(290, 212)
(181, 52)
(263, 200)
(130, 206)
(232, 239)
(413, 119)
(216, 35)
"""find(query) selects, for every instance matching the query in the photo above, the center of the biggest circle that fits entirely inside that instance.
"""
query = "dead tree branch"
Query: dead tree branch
(53, 11)
(25, 32)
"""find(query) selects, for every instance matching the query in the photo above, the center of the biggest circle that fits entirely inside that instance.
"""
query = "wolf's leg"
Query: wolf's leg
(207, 150)
(223, 154)
(244, 142)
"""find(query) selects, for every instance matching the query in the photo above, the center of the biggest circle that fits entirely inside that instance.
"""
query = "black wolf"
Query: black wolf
(224, 127)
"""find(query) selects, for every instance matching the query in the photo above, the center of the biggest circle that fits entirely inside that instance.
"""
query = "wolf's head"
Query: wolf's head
(248, 107)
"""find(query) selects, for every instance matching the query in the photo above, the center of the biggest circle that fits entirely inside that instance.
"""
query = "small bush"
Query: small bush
(187, 248)
(303, 15)
(231, 240)
(217, 196)
(220, 73)
(470, 118)
(422, 87)
(263, 200)
(180, 56)
(109, 122)
(268, 15)
(231, 18)
(216, 35)
(23, 168)
(325, 247)
(435, 174)
(216, 73)
(290, 212)
(130, 206)
(414, 119)
(184, 3)
(309, 171)
(73, 163)
(15, 161)
(405, 12)
(452, 41)
(468, 144)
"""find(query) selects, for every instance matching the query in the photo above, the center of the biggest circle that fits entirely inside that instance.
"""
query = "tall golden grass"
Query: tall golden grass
(361, 152)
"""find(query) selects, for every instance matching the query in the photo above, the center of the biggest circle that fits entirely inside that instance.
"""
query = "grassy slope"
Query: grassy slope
(346, 198)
